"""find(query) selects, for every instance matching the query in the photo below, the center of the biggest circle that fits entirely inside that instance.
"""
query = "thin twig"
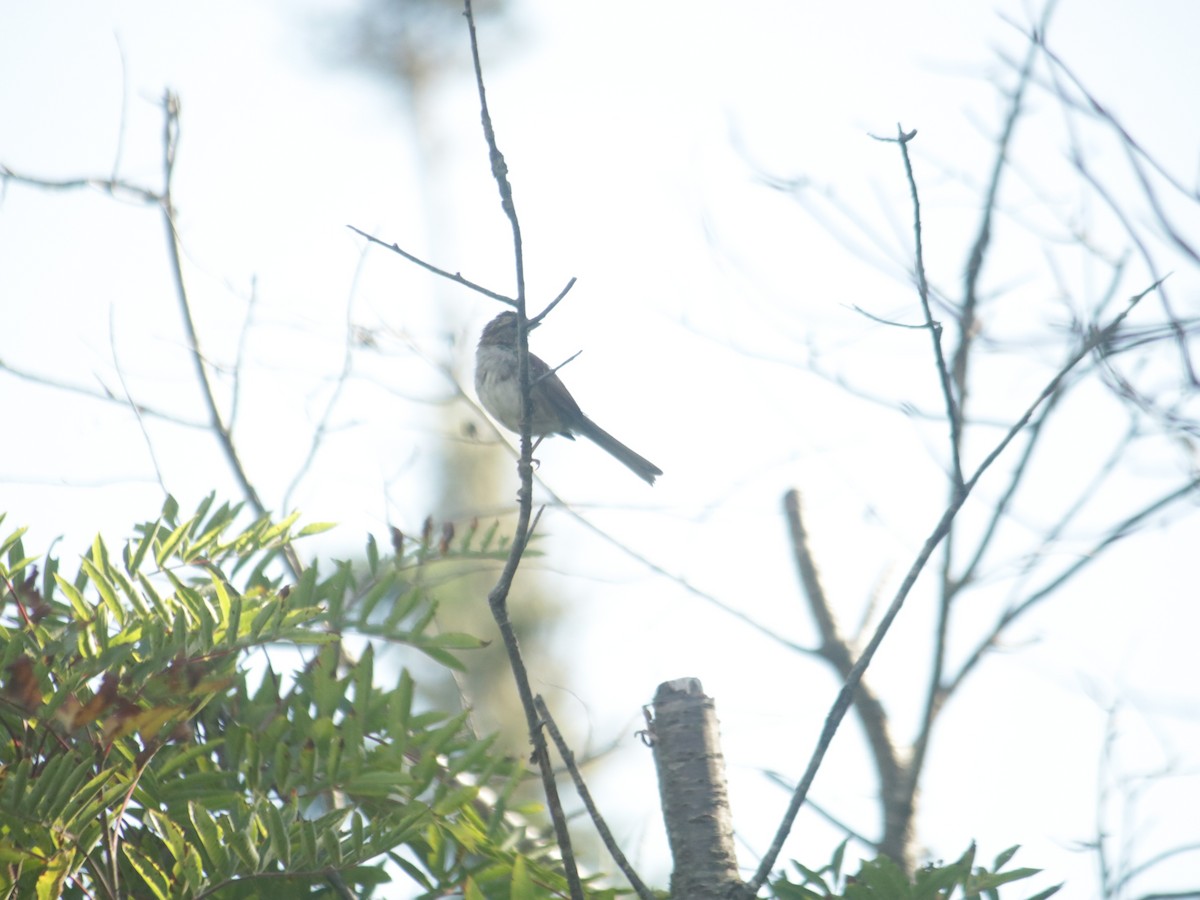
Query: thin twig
(889, 322)
(536, 320)
(122, 119)
(957, 383)
(219, 427)
(105, 394)
(1023, 466)
(585, 795)
(318, 435)
(1121, 530)
(1097, 338)
(1134, 152)
(836, 651)
(113, 186)
(450, 276)
(935, 327)
(983, 235)
(239, 359)
(112, 344)
(825, 814)
(166, 206)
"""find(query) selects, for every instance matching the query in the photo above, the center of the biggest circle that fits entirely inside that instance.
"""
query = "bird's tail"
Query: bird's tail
(639, 465)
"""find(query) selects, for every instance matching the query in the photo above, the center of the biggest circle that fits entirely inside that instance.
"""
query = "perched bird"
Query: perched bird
(554, 409)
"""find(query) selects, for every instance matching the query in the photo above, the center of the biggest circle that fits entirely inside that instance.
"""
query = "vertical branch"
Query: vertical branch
(167, 207)
(606, 835)
(937, 690)
(983, 236)
(498, 597)
(845, 696)
(216, 421)
(903, 801)
(935, 328)
(835, 650)
(694, 792)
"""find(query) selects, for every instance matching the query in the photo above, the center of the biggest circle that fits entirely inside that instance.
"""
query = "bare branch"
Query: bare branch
(322, 429)
(170, 142)
(836, 651)
(846, 694)
(114, 186)
(825, 814)
(235, 394)
(953, 413)
(112, 343)
(983, 235)
(585, 795)
(498, 596)
(104, 394)
(553, 303)
(1121, 530)
(451, 276)
(1136, 155)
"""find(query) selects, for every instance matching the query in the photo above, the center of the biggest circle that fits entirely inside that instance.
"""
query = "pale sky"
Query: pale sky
(637, 135)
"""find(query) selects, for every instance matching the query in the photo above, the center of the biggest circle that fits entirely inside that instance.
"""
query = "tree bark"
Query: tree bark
(695, 797)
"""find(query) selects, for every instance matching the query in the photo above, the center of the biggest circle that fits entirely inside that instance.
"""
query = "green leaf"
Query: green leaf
(210, 838)
(331, 846)
(364, 682)
(372, 554)
(186, 757)
(839, 856)
(880, 878)
(82, 608)
(308, 840)
(168, 547)
(243, 846)
(443, 658)
(153, 878)
(452, 640)
(985, 881)
(380, 784)
(277, 835)
(315, 528)
(281, 529)
(104, 587)
(50, 883)
(522, 885)
(456, 799)
(1002, 860)
(134, 561)
(1048, 892)
(302, 594)
(11, 542)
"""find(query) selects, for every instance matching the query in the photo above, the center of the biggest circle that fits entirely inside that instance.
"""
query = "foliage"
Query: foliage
(883, 879)
(150, 746)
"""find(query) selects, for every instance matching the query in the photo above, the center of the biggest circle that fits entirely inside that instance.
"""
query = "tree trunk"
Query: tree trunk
(695, 798)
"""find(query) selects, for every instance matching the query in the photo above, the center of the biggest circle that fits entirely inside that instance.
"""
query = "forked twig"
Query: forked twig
(585, 795)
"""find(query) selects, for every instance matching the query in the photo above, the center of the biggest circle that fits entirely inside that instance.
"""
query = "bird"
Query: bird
(554, 409)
